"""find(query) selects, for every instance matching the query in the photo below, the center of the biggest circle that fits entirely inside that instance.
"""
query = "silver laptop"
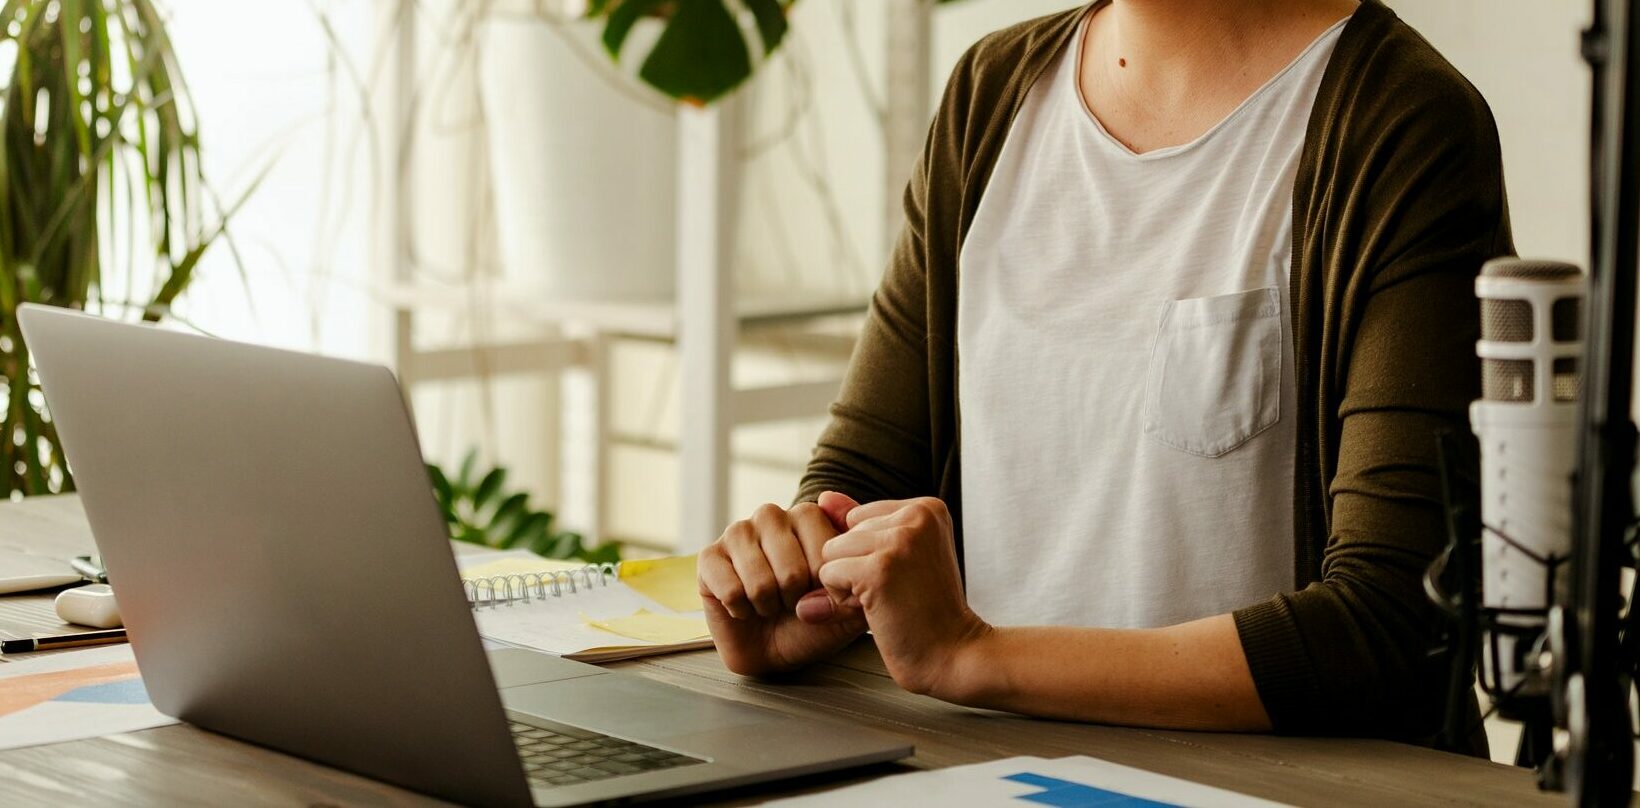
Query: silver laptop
(287, 579)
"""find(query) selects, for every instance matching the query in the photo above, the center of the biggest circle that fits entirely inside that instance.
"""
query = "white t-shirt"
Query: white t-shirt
(1124, 344)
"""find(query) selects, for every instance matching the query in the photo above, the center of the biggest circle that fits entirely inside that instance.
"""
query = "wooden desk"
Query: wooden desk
(183, 765)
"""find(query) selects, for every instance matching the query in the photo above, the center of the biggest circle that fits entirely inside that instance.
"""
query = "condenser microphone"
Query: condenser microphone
(1526, 420)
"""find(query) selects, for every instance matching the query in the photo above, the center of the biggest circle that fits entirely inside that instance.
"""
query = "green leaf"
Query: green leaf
(441, 484)
(565, 545)
(464, 477)
(621, 19)
(771, 22)
(488, 488)
(509, 510)
(543, 546)
(471, 535)
(602, 554)
(528, 530)
(700, 56)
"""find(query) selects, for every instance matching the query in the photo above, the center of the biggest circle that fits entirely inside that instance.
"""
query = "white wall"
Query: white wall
(1523, 57)
(272, 88)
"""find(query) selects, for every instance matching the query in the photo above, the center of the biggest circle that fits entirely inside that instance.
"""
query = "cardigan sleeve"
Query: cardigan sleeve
(1353, 653)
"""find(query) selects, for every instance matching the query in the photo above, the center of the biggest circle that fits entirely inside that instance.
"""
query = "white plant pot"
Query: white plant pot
(585, 176)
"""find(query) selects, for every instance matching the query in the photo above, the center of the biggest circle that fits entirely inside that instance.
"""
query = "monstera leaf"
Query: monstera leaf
(702, 51)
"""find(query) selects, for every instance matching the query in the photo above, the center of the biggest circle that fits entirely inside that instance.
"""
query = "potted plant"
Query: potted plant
(102, 200)
(479, 509)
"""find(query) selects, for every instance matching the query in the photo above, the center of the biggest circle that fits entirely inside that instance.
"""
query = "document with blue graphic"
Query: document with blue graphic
(69, 695)
(1031, 782)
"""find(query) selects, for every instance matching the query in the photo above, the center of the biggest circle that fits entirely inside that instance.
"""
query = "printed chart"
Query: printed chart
(73, 695)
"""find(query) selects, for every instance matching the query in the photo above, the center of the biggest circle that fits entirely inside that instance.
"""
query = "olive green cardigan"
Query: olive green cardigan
(1399, 198)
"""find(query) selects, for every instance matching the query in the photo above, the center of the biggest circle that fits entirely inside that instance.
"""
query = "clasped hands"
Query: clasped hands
(788, 587)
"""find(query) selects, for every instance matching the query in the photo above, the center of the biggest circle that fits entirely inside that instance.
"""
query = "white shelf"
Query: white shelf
(654, 320)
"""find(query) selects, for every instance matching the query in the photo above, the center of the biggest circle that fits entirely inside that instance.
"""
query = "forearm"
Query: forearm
(1189, 676)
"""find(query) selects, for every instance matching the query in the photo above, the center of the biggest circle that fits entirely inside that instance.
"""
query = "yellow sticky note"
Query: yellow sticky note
(667, 581)
(519, 565)
(662, 629)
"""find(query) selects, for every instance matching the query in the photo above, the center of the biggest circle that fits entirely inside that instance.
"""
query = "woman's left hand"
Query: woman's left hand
(898, 561)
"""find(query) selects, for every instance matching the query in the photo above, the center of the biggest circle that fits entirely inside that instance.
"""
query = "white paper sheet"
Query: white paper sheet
(1021, 782)
(72, 695)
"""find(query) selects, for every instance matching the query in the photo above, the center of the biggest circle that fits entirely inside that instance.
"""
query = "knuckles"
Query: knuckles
(760, 592)
(769, 512)
(790, 580)
(714, 551)
(883, 563)
(740, 534)
(898, 544)
(925, 513)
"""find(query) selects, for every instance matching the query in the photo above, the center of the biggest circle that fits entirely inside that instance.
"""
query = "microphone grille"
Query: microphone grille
(1515, 286)
(1530, 269)
(1510, 320)
(1506, 320)
(1508, 380)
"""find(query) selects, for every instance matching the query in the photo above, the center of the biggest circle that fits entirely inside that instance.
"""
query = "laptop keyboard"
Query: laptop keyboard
(564, 756)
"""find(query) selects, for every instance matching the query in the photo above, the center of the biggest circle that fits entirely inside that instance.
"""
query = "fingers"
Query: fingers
(870, 510)
(819, 607)
(922, 514)
(813, 528)
(846, 574)
(756, 576)
(853, 543)
(836, 507)
(784, 552)
(719, 583)
(816, 607)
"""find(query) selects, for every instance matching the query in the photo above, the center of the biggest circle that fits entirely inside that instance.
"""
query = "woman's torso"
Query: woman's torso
(1123, 328)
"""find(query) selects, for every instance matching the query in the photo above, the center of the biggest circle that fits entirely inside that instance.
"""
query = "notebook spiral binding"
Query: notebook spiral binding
(522, 588)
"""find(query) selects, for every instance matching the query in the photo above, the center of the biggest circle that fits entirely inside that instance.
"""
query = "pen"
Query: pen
(88, 569)
(104, 637)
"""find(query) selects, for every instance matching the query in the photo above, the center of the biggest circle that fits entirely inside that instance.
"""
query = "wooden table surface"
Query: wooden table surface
(179, 765)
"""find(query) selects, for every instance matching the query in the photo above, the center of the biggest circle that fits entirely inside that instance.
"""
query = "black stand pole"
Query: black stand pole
(1595, 706)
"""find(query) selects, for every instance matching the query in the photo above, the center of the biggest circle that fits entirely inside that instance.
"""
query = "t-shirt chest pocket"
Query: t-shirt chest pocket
(1215, 372)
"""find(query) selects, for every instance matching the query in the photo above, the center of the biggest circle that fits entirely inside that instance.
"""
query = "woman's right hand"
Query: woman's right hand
(754, 575)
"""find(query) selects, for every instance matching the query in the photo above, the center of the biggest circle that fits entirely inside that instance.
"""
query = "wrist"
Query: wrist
(974, 669)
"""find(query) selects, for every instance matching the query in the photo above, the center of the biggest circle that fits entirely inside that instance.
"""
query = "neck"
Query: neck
(1160, 72)
(1170, 35)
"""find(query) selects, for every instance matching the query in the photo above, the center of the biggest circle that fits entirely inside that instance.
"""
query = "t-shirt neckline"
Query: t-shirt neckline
(1104, 134)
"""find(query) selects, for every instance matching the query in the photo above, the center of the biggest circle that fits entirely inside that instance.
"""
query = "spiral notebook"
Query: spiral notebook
(586, 612)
